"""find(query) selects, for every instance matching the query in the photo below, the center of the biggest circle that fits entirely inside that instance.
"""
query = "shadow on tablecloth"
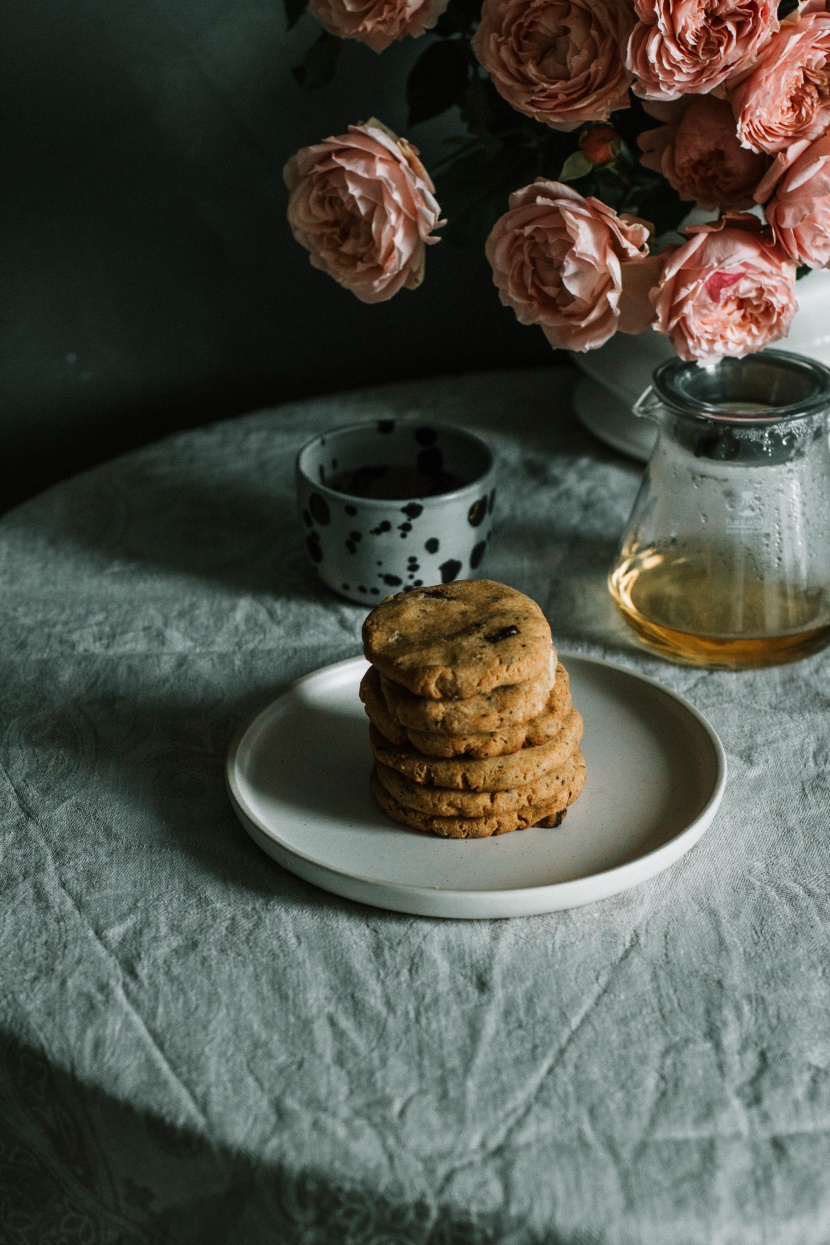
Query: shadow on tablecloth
(79, 1166)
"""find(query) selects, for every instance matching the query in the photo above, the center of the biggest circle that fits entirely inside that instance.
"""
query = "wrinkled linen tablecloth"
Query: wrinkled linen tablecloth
(199, 1047)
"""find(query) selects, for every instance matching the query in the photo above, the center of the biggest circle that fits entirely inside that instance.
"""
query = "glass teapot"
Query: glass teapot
(726, 558)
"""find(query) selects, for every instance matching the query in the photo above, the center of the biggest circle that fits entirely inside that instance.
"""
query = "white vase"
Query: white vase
(617, 373)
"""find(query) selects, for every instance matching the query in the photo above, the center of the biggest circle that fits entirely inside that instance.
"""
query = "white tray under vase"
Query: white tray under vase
(616, 374)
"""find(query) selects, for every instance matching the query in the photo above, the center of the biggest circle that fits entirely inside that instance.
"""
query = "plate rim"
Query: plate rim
(610, 881)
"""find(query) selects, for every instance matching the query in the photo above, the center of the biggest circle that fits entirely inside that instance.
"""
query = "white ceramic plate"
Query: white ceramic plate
(298, 778)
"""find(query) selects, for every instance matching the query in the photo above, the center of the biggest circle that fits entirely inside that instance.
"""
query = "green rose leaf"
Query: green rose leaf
(654, 200)
(610, 187)
(320, 61)
(437, 81)
(577, 165)
(473, 188)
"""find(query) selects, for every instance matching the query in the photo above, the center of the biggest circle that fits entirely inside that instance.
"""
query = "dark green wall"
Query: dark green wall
(149, 281)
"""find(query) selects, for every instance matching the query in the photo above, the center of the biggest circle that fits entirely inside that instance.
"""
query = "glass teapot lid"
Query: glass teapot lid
(762, 388)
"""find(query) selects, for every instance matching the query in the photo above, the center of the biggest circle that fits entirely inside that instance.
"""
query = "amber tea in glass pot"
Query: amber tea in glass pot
(726, 558)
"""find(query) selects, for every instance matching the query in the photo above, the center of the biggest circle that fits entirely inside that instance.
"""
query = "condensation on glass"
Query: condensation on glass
(726, 558)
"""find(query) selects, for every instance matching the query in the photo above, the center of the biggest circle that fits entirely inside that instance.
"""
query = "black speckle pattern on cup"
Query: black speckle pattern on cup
(477, 554)
(412, 510)
(477, 512)
(432, 545)
(315, 550)
(449, 570)
(319, 508)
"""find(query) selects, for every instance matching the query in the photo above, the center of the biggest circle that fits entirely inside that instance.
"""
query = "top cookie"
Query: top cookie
(461, 639)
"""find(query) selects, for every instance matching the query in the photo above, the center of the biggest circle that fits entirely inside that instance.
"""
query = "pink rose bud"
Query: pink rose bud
(600, 144)
(691, 47)
(558, 260)
(786, 98)
(799, 212)
(701, 157)
(363, 206)
(377, 23)
(560, 63)
(728, 291)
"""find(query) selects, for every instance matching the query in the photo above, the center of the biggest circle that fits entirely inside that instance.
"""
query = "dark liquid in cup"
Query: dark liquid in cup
(390, 481)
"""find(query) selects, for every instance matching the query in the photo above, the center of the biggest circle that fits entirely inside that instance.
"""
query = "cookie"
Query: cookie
(508, 739)
(498, 773)
(441, 802)
(460, 639)
(548, 812)
(376, 708)
(509, 705)
(481, 744)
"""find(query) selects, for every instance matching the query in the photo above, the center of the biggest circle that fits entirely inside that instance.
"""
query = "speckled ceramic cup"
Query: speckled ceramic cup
(394, 504)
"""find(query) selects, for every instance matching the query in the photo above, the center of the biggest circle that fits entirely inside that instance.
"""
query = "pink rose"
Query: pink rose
(799, 213)
(729, 290)
(786, 98)
(363, 205)
(783, 161)
(688, 47)
(701, 157)
(559, 61)
(560, 261)
(376, 22)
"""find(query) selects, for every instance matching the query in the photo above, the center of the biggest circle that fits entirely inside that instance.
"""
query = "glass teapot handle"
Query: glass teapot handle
(648, 405)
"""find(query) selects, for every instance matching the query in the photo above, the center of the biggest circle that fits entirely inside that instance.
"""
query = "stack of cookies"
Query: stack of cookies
(472, 728)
